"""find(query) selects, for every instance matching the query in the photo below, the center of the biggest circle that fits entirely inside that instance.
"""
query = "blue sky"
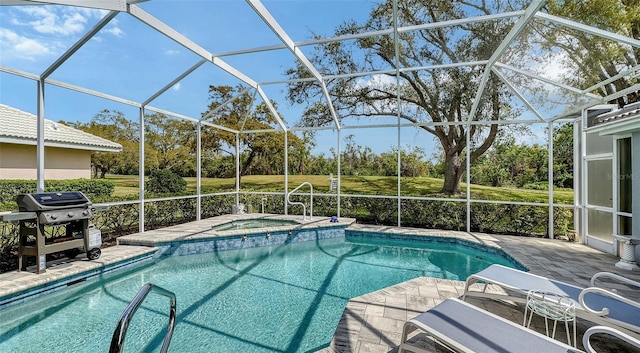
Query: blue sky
(130, 60)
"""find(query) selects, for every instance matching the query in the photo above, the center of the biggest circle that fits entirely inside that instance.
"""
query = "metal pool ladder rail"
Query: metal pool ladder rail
(304, 209)
(123, 323)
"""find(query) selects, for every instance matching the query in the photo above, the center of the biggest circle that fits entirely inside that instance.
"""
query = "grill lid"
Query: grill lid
(51, 201)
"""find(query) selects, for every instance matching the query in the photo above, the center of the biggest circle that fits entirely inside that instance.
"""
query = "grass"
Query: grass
(127, 185)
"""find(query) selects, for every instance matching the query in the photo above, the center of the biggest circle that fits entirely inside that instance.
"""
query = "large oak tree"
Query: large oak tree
(442, 96)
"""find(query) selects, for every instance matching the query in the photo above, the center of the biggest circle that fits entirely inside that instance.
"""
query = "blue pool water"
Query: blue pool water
(284, 298)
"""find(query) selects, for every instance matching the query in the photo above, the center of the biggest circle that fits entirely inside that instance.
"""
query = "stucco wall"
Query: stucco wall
(19, 162)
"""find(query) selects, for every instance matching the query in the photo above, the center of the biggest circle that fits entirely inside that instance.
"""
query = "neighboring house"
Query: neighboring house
(67, 151)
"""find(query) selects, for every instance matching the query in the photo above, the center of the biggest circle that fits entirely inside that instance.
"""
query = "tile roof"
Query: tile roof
(19, 127)
(631, 110)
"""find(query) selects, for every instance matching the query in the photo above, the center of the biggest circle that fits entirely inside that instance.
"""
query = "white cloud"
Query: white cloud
(16, 46)
(45, 19)
(176, 87)
(376, 81)
(553, 67)
(32, 33)
(61, 21)
(171, 52)
(116, 31)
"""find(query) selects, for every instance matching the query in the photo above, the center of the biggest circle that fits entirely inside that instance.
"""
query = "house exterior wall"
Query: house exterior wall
(19, 162)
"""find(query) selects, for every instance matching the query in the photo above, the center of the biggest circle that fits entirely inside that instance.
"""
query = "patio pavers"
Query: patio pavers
(379, 328)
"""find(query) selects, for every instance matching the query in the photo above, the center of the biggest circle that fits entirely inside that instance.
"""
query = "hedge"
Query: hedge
(92, 188)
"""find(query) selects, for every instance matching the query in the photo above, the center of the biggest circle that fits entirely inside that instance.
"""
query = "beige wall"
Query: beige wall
(19, 162)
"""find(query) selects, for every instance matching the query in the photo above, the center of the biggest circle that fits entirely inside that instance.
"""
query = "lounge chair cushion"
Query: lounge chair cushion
(522, 282)
(464, 327)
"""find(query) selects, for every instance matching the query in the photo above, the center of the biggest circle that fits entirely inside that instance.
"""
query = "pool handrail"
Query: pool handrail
(304, 208)
(117, 341)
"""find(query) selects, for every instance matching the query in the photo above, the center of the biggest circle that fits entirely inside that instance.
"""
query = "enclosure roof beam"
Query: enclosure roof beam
(188, 118)
(634, 70)
(93, 93)
(260, 131)
(603, 100)
(218, 108)
(172, 83)
(341, 38)
(77, 45)
(517, 93)
(517, 28)
(382, 72)
(621, 93)
(272, 109)
(271, 22)
(246, 114)
(20, 73)
(546, 80)
(589, 29)
(171, 33)
(113, 5)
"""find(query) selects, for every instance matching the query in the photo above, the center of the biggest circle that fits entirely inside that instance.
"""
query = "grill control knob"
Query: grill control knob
(70, 214)
(85, 212)
(53, 216)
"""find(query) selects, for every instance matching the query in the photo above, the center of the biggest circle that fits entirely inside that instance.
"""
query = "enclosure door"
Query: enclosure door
(598, 177)
(608, 208)
(599, 209)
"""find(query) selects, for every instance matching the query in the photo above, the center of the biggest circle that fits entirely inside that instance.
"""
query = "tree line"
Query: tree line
(170, 144)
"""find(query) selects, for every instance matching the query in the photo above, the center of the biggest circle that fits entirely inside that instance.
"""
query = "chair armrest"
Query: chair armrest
(609, 331)
(614, 277)
(604, 292)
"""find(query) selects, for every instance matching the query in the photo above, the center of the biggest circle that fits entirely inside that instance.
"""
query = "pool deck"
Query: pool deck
(373, 322)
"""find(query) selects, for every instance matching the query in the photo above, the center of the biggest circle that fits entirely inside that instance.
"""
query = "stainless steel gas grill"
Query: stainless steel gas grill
(71, 210)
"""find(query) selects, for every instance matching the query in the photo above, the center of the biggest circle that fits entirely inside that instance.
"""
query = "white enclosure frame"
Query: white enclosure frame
(492, 65)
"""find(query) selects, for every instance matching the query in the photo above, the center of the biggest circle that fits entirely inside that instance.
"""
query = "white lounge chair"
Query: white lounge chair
(598, 305)
(463, 327)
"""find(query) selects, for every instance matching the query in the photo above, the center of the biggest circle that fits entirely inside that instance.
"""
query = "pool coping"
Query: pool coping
(202, 230)
(471, 240)
(19, 286)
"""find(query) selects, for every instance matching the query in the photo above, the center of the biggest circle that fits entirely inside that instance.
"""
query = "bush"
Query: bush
(541, 185)
(92, 188)
(163, 181)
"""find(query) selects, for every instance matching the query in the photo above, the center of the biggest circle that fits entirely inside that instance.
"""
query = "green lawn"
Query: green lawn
(127, 185)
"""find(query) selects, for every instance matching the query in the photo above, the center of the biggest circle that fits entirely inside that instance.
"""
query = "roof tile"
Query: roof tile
(19, 125)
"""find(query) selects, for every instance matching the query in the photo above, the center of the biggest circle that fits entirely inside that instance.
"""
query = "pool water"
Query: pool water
(253, 224)
(285, 298)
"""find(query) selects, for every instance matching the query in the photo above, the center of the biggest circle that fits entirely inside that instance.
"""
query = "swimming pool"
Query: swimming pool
(253, 223)
(279, 298)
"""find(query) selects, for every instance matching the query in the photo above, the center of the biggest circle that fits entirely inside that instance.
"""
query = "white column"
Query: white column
(199, 172)
(40, 138)
(286, 172)
(141, 173)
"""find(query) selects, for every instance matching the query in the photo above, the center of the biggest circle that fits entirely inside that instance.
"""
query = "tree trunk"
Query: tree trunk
(103, 172)
(452, 174)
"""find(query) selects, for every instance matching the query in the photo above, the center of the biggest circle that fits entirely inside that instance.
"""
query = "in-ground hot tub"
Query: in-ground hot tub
(253, 223)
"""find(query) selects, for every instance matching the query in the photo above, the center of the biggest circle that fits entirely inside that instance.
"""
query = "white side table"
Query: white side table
(554, 307)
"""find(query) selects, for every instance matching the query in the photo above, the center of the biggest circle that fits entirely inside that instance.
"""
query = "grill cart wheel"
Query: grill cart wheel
(72, 253)
(94, 253)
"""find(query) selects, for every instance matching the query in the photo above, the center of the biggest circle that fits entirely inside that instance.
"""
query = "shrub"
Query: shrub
(92, 188)
(163, 181)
